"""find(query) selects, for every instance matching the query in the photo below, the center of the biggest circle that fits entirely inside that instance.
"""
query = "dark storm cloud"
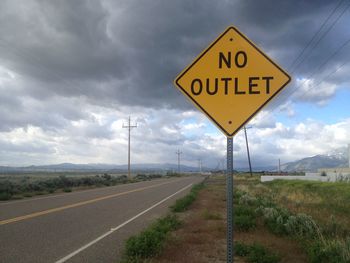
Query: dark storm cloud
(123, 53)
(58, 40)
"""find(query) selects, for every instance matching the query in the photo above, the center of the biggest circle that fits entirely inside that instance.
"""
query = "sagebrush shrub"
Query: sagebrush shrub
(301, 225)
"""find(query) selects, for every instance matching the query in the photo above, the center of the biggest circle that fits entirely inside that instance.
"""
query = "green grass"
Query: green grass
(244, 222)
(314, 213)
(183, 203)
(244, 217)
(244, 210)
(330, 251)
(334, 196)
(255, 253)
(327, 202)
(151, 241)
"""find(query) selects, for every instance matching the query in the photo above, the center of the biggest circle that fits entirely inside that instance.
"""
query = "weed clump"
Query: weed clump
(323, 243)
(274, 218)
(302, 226)
(182, 204)
(237, 194)
(244, 222)
(67, 190)
(150, 242)
(259, 254)
(334, 229)
(255, 253)
(244, 217)
(246, 199)
(241, 249)
(331, 251)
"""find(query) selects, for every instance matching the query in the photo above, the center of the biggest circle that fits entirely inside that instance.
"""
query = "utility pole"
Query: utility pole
(349, 153)
(246, 141)
(200, 165)
(279, 166)
(129, 127)
(178, 152)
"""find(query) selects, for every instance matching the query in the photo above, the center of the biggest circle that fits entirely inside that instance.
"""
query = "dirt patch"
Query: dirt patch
(199, 239)
(202, 237)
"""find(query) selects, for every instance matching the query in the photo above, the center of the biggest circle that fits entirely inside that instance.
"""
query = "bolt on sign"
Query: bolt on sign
(231, 81)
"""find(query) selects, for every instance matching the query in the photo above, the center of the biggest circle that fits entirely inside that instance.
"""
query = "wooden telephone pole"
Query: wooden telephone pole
(246, 141)
(178, 152)
(129, 127)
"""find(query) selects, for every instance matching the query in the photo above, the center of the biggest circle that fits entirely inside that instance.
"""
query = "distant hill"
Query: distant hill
(336, 158)
(70, 167)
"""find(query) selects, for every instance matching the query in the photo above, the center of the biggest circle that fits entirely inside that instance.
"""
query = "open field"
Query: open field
(282, 221)
(326, 202)
(18, 186)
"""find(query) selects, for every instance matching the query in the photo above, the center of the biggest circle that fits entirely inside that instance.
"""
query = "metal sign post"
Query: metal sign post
(229, 199)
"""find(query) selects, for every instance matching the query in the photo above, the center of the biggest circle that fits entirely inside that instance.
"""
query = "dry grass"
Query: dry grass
(324, 202)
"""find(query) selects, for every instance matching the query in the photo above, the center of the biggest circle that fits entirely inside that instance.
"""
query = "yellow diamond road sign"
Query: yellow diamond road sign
(231, 81)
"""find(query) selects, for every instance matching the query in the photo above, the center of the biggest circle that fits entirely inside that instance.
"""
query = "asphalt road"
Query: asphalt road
(85, 226)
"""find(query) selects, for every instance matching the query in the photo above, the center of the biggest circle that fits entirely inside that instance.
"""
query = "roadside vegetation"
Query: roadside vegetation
(326, 202)
(183, 204)
(18, 187)
(255, 253)
(279, 221)
(314, 214)
(150, 242)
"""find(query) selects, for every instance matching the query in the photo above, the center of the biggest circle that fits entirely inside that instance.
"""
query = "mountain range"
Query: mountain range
(333, 159)
(98, 168)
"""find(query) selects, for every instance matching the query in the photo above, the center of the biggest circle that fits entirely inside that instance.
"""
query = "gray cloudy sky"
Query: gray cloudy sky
(71, 72)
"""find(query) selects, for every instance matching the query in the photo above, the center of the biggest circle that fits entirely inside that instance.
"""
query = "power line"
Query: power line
(330, 74)
(288, 92)
(129, 127)
(336, 52)
(315, 35)
(291, 92)
(322, 36)
(319, 83)
(329, 58)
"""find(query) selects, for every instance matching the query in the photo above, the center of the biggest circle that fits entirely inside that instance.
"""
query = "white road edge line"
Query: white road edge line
(118, 227)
